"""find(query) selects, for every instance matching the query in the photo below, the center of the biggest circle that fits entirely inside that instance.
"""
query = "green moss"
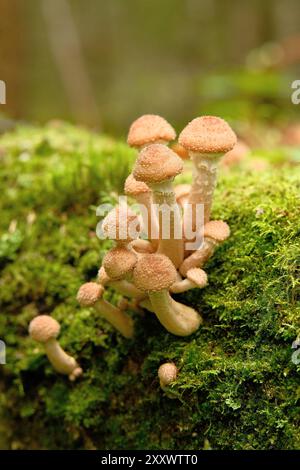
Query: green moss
(237, 387)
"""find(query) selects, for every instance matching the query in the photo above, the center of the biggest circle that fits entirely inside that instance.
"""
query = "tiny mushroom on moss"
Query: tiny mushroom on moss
(167, 374)
(45, 329)
(195, 278)
(155, 274)
(90, 295)
(215, 233)
(149, 129)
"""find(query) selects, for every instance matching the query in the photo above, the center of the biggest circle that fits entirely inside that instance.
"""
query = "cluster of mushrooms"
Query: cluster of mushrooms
(147, 271)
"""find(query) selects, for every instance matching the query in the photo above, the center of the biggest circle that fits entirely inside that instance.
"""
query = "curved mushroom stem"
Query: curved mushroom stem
(202, 189)
(199, 257)
(149, 218)
(127, 288)
(171, 245)
(177, 318)
(116, 317)
(61, 361)
(146, 303)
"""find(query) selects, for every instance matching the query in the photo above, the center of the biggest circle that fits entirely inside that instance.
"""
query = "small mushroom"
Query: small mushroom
(157, 166)
(167, 374)
(45, 329)
(155, 274)
(119, 263)
(143, 195)
(121, 225)
(215, 232)
(206, 138)
(90, 295)
(149, 129)
(195, 278)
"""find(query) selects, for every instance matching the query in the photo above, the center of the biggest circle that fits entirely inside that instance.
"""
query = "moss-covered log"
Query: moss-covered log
(237, 386)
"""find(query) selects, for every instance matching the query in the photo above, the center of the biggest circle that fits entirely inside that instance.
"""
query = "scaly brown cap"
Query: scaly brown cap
(118, 262)
(197, 276)
(208, 134)
(43, 327)
(157, 163)
(154, 272)
(217, 230)
(148, 129)
(116, 225)
(89, 293)
(134, 188)
(167, 373)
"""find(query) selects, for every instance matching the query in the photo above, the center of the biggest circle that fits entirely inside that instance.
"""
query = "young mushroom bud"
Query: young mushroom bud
(143, 195)
(150, 129)
(90, 295)
(157, 166)
(195, 278)
(155, 274)
(167, 373)
(215, 233)
(45, 329)
(206, 138)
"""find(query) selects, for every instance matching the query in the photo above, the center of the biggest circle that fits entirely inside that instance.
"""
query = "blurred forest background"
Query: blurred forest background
(103, 63)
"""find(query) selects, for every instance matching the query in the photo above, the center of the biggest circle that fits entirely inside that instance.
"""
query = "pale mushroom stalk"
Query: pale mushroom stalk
(45, 329)
(155, 274)
(215, 233)
(123, 286)
(90, 294)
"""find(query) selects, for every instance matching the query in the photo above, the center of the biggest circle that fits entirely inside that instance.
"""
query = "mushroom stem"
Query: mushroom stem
(199, 257)
(163, 195)
(149, 218)
(116, 317)
(177, 318)
(182, 286)
(60, 360)
(127, 288)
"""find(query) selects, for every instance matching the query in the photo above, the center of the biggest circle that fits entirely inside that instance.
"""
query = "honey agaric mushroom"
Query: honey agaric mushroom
(149, 129)
(157, 166)
(90, 295)
(121, 225)
(119, 263)
(167, 373)
(155, 274)
(182, 192)
(45, 329)
(215, 232)
(141, 192)
(195, 278)
(206, 138)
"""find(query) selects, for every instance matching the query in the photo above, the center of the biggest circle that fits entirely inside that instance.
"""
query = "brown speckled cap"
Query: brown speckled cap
(197, 276)
(167, 373)
(217, 230)
(89, 293)
(148, 129)
(43, 327)
(116, 225)
(154, 272)
(134, 188)
(208, 134)
(157, 163)
(118, 262)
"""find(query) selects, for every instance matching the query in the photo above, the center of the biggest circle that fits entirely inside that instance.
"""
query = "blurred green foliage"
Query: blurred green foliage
(237, 387)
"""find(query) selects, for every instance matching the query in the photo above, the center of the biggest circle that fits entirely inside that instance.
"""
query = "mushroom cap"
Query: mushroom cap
(217, 230)
(43, 327)
(118, 262)
(134, 188)
(182, 190)
(157, 163)
(197, 276)
(149, 128)
(116, 225)
(103, 278)
(180, 150)
(89, 293)
(154, 272)
(167, 373)
(208, 134)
